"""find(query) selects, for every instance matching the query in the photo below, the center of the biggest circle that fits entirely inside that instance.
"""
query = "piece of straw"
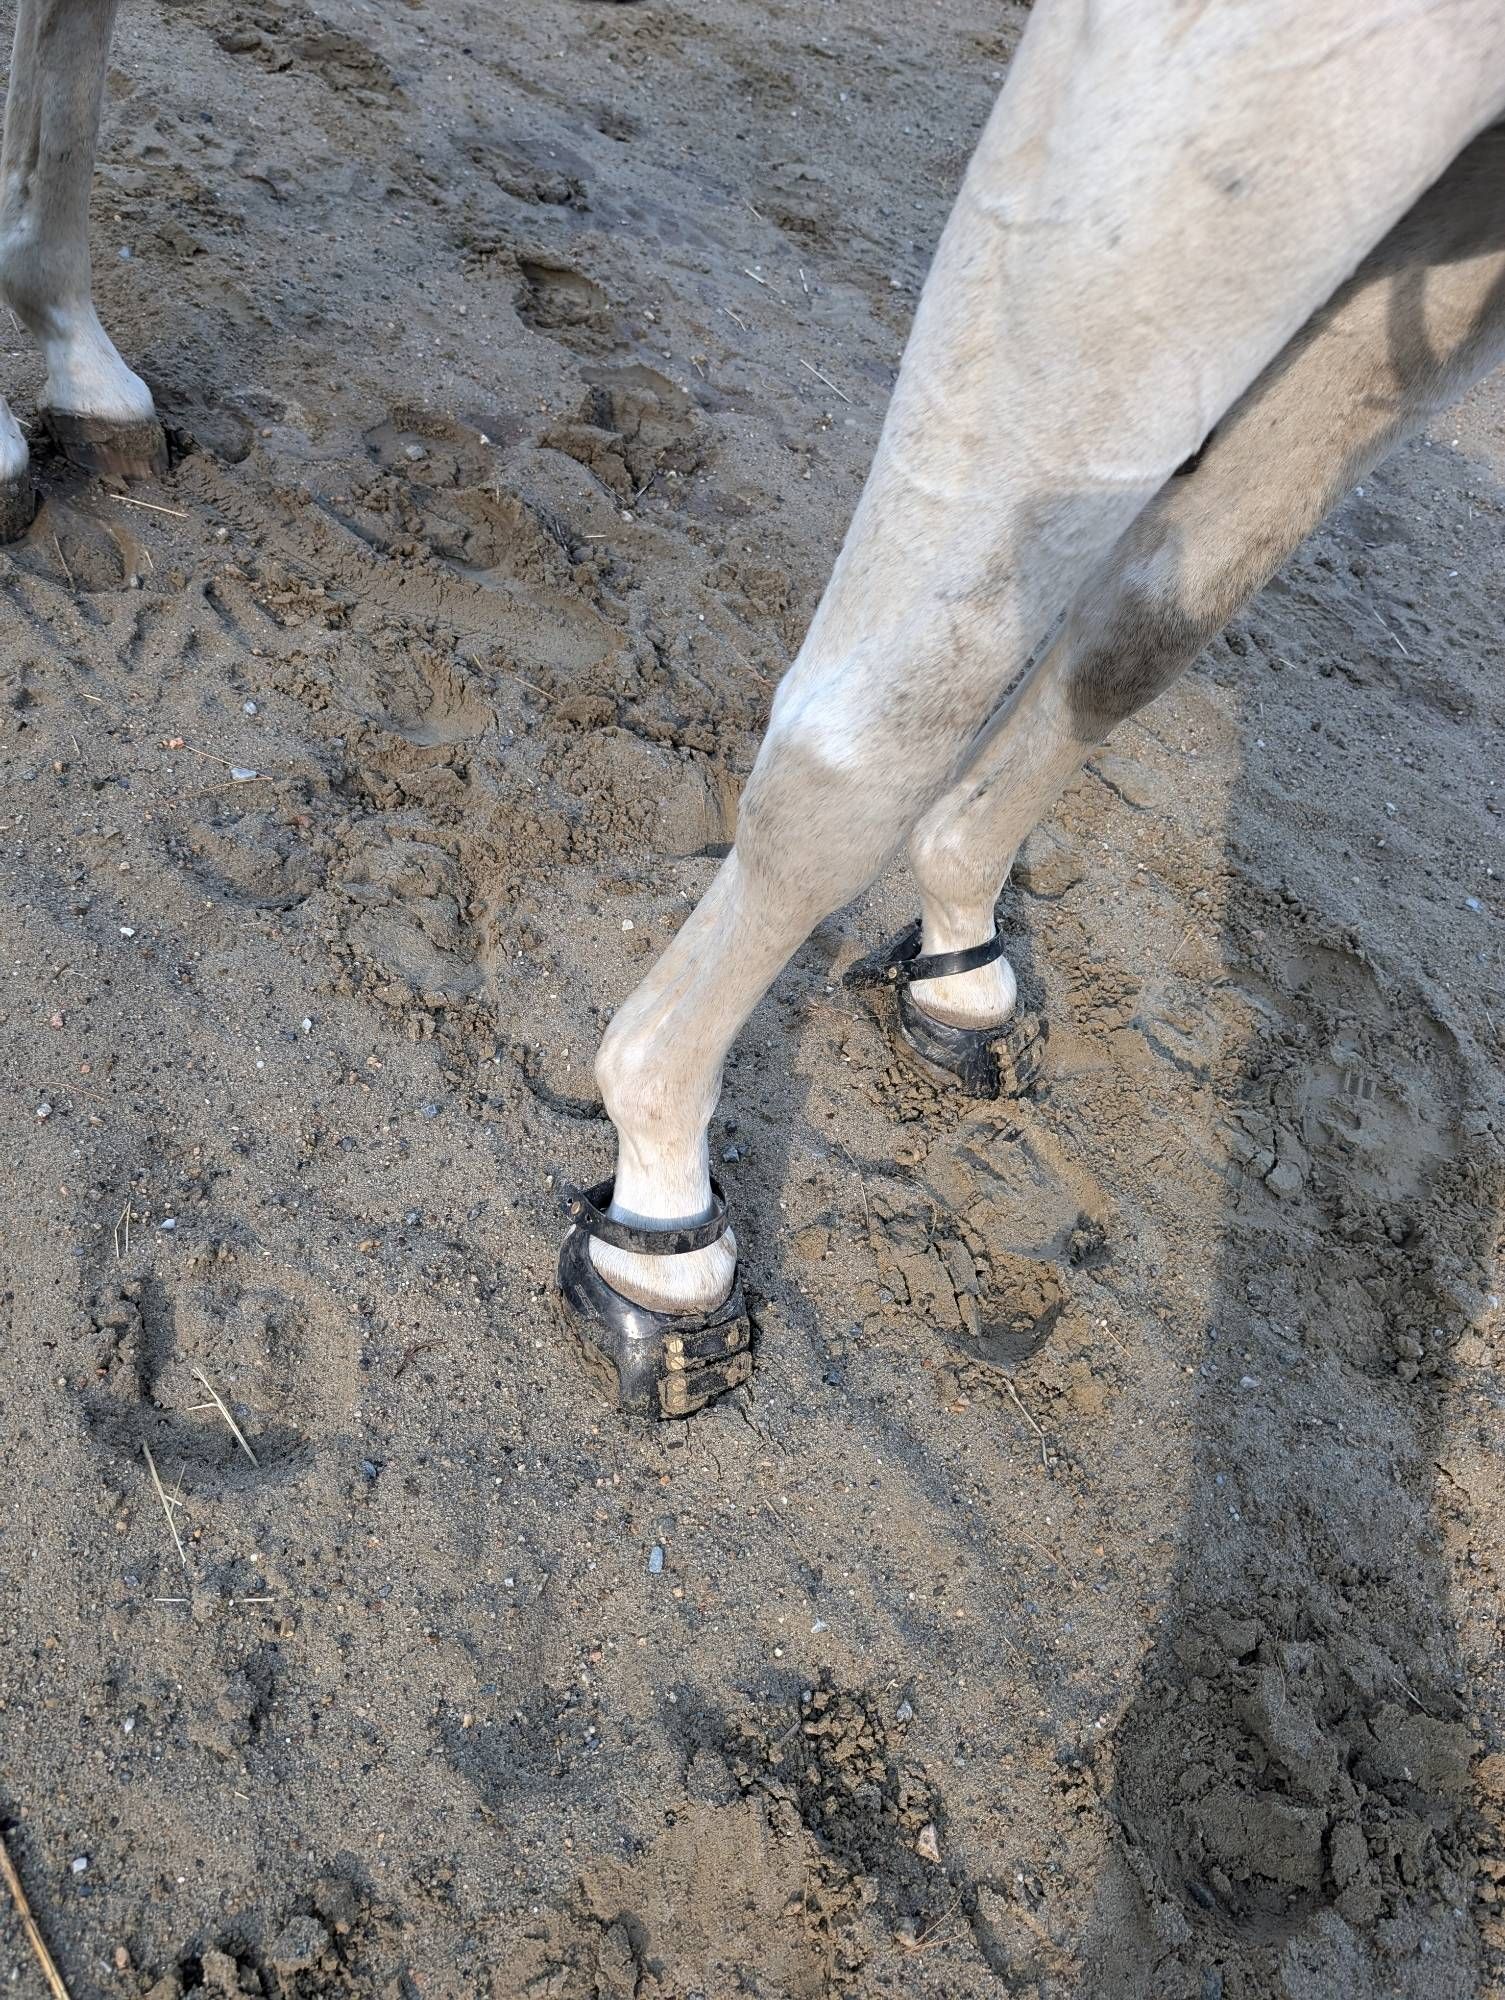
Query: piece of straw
(219, 1403)
(29, 1924)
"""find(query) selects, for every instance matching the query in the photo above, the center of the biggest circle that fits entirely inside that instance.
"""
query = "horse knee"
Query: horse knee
(824, 808)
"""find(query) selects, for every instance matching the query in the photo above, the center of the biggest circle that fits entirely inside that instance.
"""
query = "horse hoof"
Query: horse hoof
(18, 503)
(652, 1364)
(1005, 1061)
(109, 447)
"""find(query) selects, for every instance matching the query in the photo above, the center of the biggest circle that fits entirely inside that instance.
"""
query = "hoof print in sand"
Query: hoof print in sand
(994, 1305)
(409, 927)
(294, 40)
(634, 427)
(148, 1392)
(565, 304)
(1021, 1300)
(248, 860)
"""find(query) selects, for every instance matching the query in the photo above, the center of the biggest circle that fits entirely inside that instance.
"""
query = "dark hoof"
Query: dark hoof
(18, 503)
(653, 1364)
(1005, 1061)
(107, 448)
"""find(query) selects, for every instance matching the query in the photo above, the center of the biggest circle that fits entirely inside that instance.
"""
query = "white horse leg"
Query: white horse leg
(1150, 216)
(1422, 317)
(99, 410)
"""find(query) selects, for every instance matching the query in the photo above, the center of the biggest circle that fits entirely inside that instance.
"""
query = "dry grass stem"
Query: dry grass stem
(772, 292)
(151, 506)
(34, 1937)
(1013, 1395)
(219, 1404)
(167, 1505)
(820, 377)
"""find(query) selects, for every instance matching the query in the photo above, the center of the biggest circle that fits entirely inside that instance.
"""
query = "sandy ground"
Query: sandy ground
(523, 365)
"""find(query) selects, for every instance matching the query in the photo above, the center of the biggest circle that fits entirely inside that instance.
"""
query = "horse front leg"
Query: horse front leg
(100, 411)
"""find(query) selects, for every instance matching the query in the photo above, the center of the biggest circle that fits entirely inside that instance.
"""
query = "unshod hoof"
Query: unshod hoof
(109, 448)
(18, 503)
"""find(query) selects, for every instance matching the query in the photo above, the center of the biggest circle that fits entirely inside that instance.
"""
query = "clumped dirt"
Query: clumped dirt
(1099, 1590)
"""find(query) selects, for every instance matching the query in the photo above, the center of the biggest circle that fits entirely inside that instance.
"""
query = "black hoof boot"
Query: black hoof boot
(109, 448)
(655, 1364)
(18, 503)
(980, 1062)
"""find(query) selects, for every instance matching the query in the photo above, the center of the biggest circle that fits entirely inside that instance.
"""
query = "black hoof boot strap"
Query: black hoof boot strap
(657, 1364)
(1002, 1061)
(901, 963)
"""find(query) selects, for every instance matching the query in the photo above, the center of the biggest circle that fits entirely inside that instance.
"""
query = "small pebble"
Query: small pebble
(126, 930)
(168, 1222)
(414, 453)
(248, 708)
(80, 1863)
(1473, 903)
(44, 1112)
(928, 1846)
(904, 1712)
(655, 1560)
(242, 774)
